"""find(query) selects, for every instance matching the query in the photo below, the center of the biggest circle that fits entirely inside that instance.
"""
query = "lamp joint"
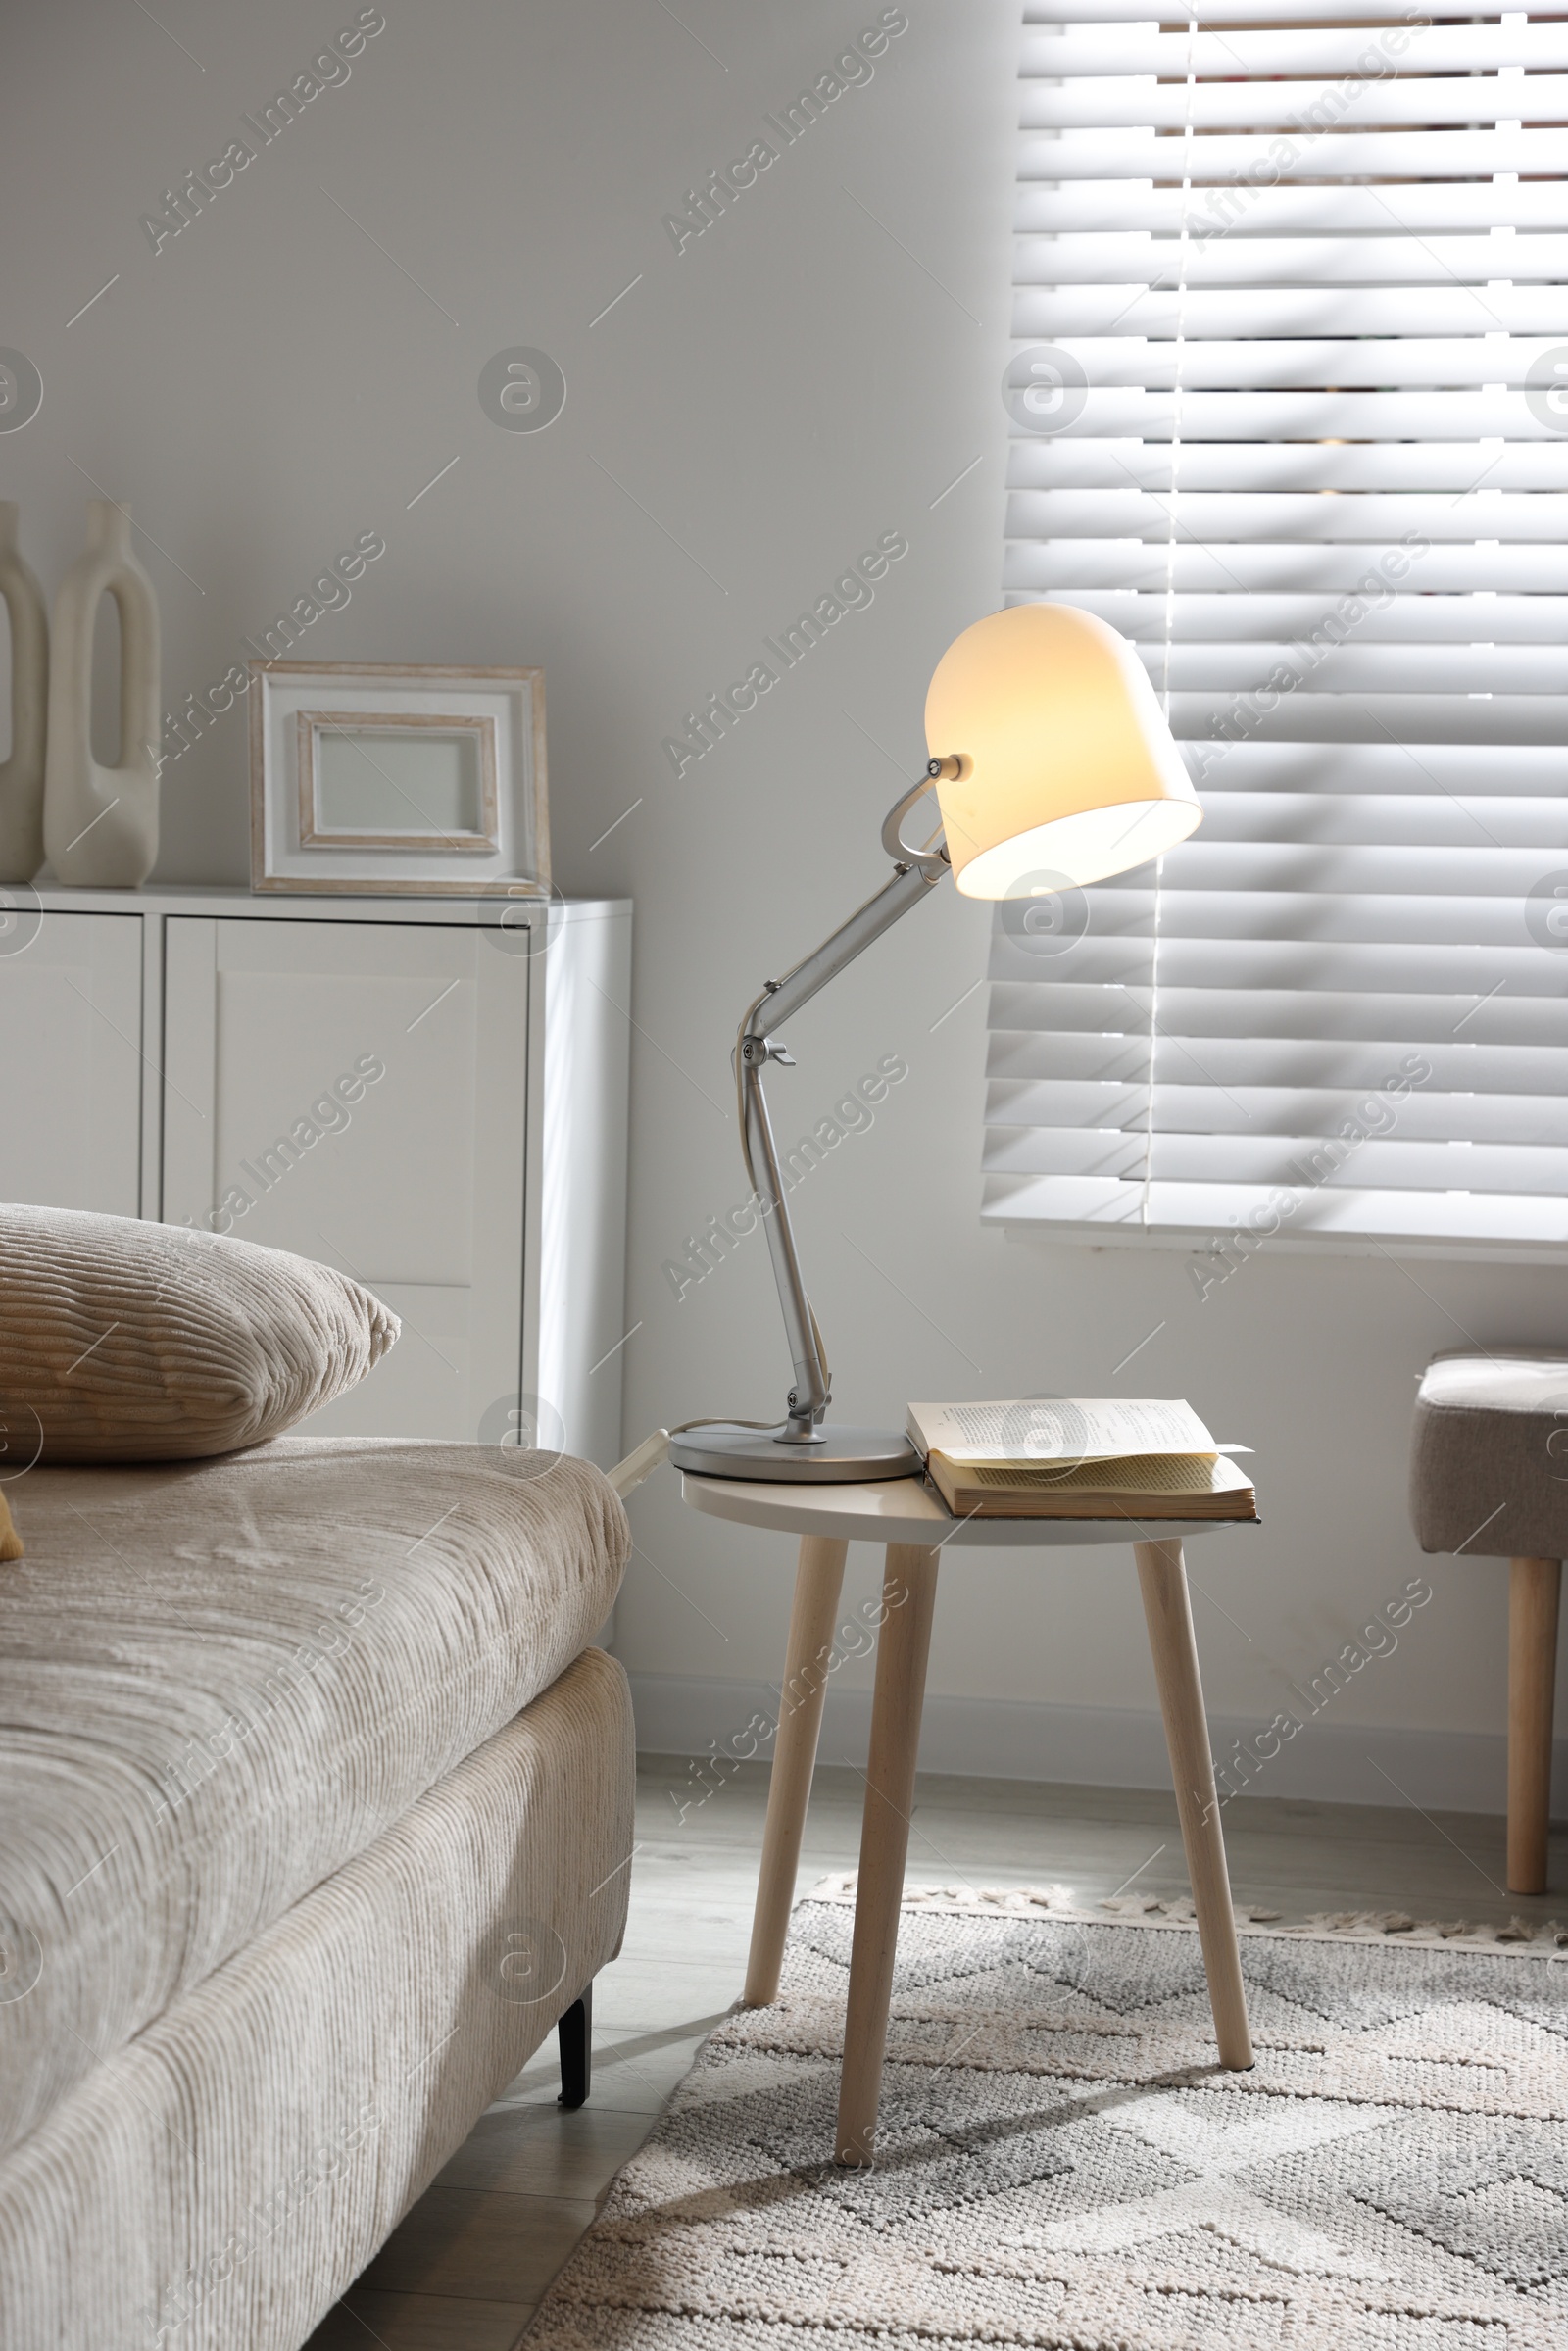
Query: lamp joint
(758, 1050)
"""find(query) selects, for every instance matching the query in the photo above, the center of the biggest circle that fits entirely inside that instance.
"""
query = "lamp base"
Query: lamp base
(838, 1457)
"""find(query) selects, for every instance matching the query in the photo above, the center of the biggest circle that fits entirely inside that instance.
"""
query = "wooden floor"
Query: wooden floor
(467, 2268)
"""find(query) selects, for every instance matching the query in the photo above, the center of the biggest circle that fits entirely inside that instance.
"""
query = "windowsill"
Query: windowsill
(1195, 1243)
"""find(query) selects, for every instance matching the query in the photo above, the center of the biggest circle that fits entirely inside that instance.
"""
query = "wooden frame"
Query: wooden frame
(293, 851)
(315, 833)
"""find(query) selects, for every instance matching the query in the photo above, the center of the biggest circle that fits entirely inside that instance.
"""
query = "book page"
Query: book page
(1066, 1429)
(1143, 1473)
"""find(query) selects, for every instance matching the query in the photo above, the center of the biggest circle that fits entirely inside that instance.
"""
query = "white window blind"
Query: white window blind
(1292, 412)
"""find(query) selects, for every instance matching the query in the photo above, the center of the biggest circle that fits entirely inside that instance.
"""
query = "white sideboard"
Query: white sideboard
(430, 1096)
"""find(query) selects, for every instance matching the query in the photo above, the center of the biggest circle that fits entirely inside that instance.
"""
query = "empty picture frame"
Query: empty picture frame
(398, 779)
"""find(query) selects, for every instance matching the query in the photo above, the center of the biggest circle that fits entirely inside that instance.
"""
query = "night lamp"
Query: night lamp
(1053, 767)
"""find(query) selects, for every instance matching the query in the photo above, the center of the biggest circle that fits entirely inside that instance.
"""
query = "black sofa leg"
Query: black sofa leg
(575, 2032)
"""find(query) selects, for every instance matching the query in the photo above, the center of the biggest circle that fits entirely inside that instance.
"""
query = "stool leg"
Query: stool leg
(1162, 1577)
(1533, 1592)
(819, 1582)
(908, 1596)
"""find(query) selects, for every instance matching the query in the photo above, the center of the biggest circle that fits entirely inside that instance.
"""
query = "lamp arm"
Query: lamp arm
(755, 1047)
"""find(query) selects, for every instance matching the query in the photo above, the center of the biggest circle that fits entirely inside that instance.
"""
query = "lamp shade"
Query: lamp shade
(1068, 769)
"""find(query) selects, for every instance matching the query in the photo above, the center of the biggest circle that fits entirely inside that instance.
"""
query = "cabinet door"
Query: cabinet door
(357, 1092)
(71, 1063)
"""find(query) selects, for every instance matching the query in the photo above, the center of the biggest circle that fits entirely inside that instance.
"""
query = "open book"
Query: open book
(1079, 1457)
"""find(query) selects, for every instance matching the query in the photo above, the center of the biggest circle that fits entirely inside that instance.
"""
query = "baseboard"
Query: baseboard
(1105, 1746)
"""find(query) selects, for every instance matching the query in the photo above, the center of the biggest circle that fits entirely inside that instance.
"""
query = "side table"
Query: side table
(912, 1521)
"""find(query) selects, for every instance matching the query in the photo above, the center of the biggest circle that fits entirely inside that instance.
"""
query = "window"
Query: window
(1290, 411)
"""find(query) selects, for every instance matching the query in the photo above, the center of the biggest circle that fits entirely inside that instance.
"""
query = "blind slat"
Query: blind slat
(1521, 973)
(1286, 903)
(1138, 564)
(1300, 517)
(1235, 1064)
(1272, 1111)
(1413, 360)
(1414, 719)
(1367, 155)
(1534, 1169)
(1241, 12)
(1456, 770)
(1409, 620)
(1330, 1211)
(1532, 669)
(1294, 313)
(1070, 463)
(1322, 210)
(1252, 256)
(1126, 412)
(1304, 107)
(1328, 49)
(1205, 1014)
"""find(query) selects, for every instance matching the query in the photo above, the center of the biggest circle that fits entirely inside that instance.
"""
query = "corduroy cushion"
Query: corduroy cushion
(1489, 1455)
(216, 2182)
(220, 1679)
(122, 1341)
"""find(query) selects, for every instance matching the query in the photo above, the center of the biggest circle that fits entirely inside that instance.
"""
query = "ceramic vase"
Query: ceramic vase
(100, 824)
(22, 775)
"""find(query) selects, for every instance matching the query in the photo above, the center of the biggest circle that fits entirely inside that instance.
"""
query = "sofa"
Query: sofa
(316, 1812)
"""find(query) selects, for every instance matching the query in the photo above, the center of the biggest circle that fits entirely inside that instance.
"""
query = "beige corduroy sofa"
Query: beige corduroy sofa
(315, 1810)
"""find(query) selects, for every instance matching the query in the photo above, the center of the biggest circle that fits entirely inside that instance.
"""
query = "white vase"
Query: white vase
(100, 824)
(22, 775)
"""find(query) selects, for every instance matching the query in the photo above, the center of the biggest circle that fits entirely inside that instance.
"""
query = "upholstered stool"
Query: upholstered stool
(1489, 1478)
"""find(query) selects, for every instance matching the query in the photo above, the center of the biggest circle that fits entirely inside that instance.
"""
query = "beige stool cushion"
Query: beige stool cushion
(1489, 1455)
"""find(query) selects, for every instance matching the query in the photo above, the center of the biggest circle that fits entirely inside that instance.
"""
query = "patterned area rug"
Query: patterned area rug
(1061, 2162)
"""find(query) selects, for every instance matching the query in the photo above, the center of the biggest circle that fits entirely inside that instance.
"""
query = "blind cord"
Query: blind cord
(1145, 1198)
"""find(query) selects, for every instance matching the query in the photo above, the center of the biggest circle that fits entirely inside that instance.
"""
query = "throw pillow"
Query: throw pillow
(124, 1340)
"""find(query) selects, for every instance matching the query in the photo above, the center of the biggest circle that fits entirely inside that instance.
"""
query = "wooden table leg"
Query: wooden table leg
(1533, 1593)
(909, 1598)
(1162, 1575)
(819, 1582)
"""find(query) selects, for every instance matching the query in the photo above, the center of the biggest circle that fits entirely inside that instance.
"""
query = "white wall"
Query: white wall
(758, 408)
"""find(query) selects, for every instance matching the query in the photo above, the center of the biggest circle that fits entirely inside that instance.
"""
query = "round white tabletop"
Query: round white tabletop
(905, 1510)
